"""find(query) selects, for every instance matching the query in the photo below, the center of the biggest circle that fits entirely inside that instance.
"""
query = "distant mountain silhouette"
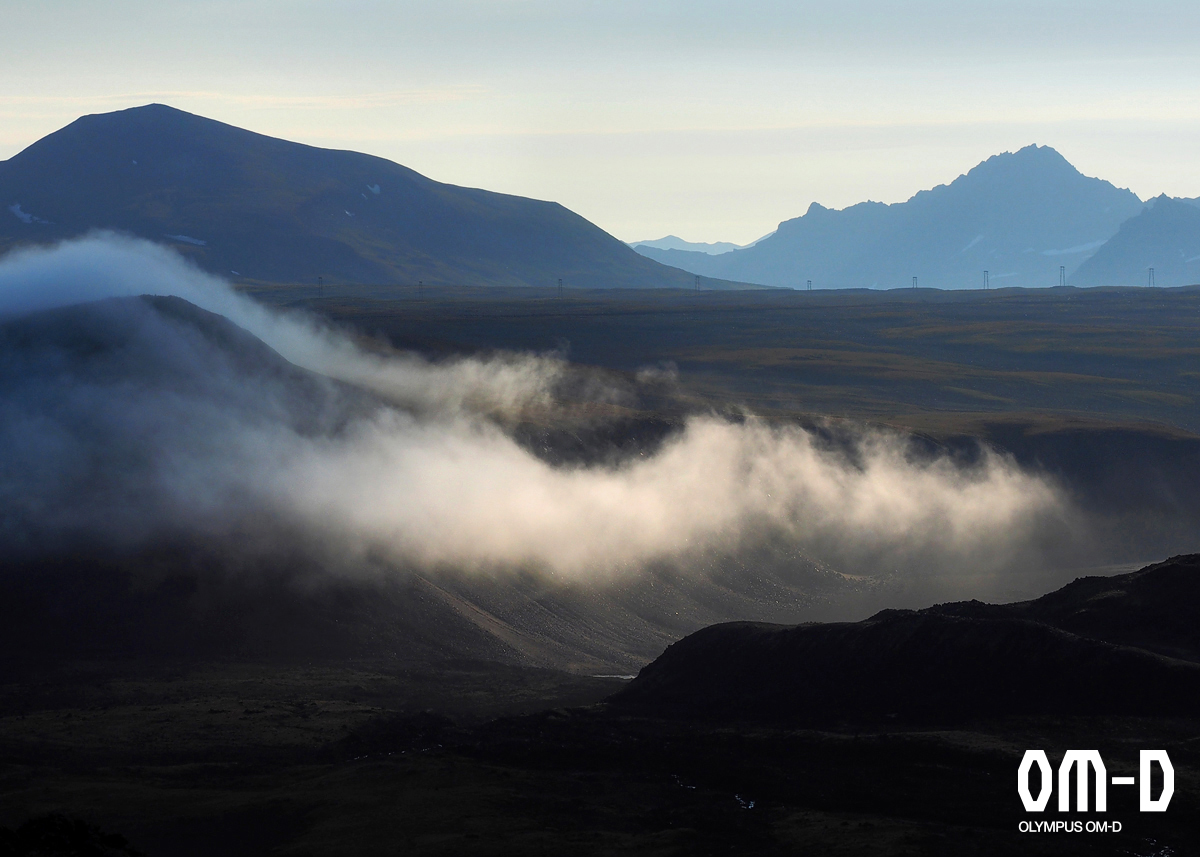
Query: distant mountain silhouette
(672, 242)
(246, 205)
(1017, 215)
(1165, 237)
(1077, 650)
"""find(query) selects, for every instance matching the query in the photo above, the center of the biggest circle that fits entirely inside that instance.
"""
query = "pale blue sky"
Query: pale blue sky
(711, 120)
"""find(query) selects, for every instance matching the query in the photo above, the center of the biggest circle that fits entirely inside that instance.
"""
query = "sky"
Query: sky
(709, 120)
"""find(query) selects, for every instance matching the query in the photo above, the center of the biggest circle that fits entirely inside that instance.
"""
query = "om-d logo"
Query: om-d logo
(1081, 761)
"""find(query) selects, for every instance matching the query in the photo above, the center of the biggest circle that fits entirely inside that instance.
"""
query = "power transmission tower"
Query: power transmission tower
(985, 281)
(1150, 278)
(809, 287)
(914, 282)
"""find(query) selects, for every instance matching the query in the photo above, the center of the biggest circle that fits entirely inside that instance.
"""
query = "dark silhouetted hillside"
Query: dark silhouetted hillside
(245, 205)
(1069, 652)
(1017, 215)
(1153, 609)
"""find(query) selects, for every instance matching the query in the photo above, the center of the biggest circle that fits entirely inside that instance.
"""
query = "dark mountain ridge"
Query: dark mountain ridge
(250, 206)
(1152, 609)
(1074, 651)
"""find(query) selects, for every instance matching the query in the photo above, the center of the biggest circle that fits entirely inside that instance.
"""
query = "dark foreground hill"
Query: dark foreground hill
(249, 206)
(1155, 609)
(1073, 651)
(345, 758)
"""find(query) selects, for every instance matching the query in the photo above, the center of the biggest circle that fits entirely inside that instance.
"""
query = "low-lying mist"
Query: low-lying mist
(131, 421)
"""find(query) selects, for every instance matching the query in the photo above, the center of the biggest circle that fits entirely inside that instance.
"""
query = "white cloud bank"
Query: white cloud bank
(428, 476)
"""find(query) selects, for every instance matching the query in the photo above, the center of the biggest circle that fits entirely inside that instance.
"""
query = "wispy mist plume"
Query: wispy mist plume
(141, 419)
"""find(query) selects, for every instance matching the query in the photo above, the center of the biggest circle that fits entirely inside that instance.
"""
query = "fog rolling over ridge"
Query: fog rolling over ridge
(135, 420)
